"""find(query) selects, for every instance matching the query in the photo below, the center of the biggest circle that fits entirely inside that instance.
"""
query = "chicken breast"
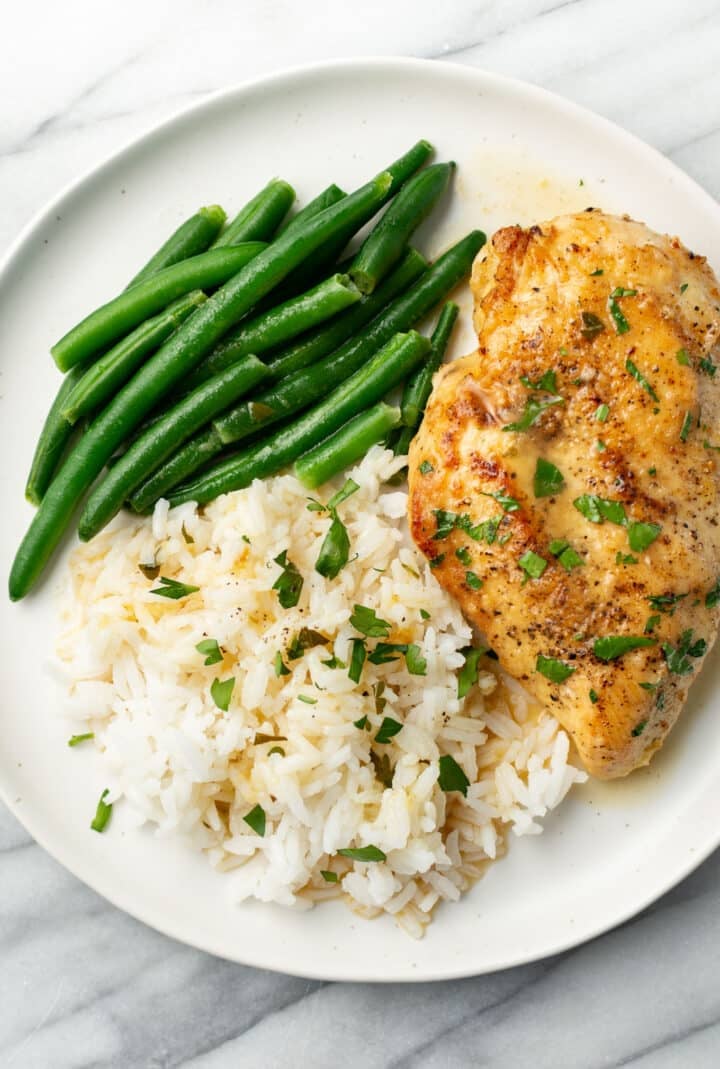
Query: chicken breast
(564, 482)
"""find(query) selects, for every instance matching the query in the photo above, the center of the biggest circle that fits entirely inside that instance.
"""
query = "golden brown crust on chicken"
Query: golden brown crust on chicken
(554, 298)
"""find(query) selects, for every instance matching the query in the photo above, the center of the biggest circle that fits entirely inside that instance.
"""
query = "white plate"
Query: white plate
(523, 155)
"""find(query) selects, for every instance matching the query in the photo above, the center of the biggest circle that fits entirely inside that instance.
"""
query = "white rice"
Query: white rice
(186, 767)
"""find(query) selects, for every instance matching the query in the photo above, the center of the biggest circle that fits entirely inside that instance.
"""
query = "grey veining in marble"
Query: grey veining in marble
(81, 984)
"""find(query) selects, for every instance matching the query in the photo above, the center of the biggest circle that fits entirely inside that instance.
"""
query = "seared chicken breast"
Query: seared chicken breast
(564, 482)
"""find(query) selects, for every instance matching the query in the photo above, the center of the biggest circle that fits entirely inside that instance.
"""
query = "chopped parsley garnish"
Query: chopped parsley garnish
(650, 686)
(437, 561)
(187, 537)
(384, 768)
(426, 468)
(172, 589)
(150, 571)
(642, 535)
(686, 426)
(102, 813)
(452, 777)
(710, 446)
(463, 555)
(473, 581)
(666, 602)
(388, 730)
(546, 382)
(247, 540)
(306, 639)
(289, 583)
(713, 595)
(509, 504)
(532, 564)
(329, 877)
(446, 522)
(707, 367)
(75, 740)
(349, 488)
(566, 555)
(386, 652)
(548, 479)
(307, 699)
(684, 287)
(221, 692)
(621, 324)
(486, 531)
(451, 521)
(594, 697)
(602, 412)
(380, 701)
(276, 749)
(211, 651)
(468, 674)
(368, 623)
(683, 357)
(362, 723)
(334, 662)
(639, 377)
(363, 853)
(261, 738)
(279, 665)
(596, 509)
(334, 551)
(592, 325)
(357, 659)
(625, 558)
(255, 819)
(414, 660)
(596, 272)
(651, 623)
(652, 471)
(610, 647)
(424, 614)
(553, 669)
(534, 408)
(639, 728)
(676, 657)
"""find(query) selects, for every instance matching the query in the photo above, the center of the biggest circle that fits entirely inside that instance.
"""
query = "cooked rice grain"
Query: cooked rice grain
(180, 763)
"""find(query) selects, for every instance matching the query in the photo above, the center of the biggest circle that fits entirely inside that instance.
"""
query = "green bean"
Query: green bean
(190, 457)
(346, 445)
(53, 440)
(112, 321)
(385, 243)
(386, 369)
(182, 352)
(193, 236)
(103, 378)
(418, 388)
(302, 388)
(200, 449)
(321, 263)
(331, 195)
(327, 338)
(279, 324)
(158, 442)
(261, 216)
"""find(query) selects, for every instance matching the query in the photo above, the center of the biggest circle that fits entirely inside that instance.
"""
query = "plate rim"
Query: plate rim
(432, 68)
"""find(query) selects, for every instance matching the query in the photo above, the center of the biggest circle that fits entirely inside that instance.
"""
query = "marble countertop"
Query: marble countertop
(81, 984)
